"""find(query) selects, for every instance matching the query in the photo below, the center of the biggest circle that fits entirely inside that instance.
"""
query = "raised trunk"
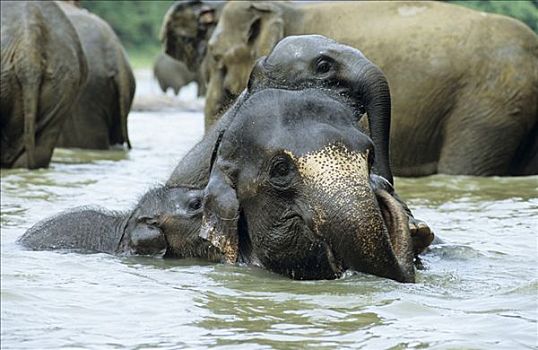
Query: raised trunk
(373, 90)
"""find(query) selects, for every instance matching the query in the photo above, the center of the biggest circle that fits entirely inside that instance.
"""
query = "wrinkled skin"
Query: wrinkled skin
(171, 73)
(42, 72)
(99, 118)
(186, 29)
(451, 101)
(165, 222)
(290, 190)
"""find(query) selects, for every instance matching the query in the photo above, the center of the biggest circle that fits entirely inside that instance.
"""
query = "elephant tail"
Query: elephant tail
(30, 97)
(28, 71)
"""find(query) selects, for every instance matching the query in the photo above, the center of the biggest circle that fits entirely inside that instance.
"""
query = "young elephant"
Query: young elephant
(165, 222)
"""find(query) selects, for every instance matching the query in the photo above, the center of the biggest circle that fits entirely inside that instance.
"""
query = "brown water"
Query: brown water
(479, 289)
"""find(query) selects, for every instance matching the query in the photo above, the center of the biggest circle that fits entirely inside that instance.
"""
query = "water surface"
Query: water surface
(478, 291)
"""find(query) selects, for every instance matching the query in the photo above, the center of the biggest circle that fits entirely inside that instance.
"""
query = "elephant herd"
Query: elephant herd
(304, 134)
(464, 83)
(66, 82)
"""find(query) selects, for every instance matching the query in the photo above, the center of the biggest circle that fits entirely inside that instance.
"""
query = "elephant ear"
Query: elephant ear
(267, 29)
(147, 238)
(221, 215)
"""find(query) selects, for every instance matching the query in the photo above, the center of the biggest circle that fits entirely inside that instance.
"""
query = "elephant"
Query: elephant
(291, 190)
(99, 118)
(460, 79)
(42, 73)
(171, 73)
(186, 29)
(165, 223)
(303, 61)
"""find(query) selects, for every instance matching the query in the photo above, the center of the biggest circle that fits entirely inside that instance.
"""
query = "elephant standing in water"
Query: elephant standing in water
(461, 80)
(171, 73)
(43, 70)
(186, 29)
(99, 118)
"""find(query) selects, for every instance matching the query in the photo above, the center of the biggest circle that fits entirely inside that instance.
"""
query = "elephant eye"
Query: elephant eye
(280, 169)
(323, 65)
(195, 204)
(281, 172)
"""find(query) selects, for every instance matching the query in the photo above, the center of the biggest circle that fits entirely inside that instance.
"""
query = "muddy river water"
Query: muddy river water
(479, 289)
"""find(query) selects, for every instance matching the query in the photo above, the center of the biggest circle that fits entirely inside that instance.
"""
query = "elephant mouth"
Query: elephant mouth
(396, 222)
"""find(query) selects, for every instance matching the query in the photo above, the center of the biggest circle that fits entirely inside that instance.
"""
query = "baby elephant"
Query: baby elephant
(165, 222)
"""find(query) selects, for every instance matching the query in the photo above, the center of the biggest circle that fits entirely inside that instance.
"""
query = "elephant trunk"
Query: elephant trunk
(372, 89)
(371, 235)
(366, 230)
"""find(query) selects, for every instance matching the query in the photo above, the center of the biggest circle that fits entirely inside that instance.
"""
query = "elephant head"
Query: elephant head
(169, 218)
(166, 221)
(246, 31)
(303, 61)
(291, 190)
(186, 29)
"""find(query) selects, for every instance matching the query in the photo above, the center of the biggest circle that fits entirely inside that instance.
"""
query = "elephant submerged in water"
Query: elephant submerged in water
(43, 70)
(297, 196)
(452, 102)
(99, 118)
(251, 212)
(165, 222)
(308, 210)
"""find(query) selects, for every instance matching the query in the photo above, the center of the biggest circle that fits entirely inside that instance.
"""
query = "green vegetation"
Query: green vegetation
(138, 23)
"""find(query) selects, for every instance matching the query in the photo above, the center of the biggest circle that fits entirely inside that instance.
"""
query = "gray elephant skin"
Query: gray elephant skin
(297, 196)
(173, 74)
(99, 118)
(165, 222)
(461, 80)
(43, 70)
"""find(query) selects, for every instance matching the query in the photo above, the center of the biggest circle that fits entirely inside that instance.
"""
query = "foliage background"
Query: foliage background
(138, 22)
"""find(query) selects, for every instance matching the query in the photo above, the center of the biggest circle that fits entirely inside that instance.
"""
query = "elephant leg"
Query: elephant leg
(480, 142)
(48, 128)
(213, 99)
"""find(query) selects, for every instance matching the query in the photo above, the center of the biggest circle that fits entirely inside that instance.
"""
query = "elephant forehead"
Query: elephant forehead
(333, 168)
